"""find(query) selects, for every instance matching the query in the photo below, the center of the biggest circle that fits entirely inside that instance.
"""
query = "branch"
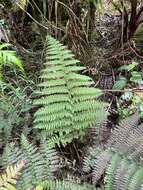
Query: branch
(125, 90)
(133, 9)
(116, 7)
(138, 16)
(140, 12)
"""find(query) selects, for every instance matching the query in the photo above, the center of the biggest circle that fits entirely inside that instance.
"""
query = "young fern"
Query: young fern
(67, 101)
(9, 179)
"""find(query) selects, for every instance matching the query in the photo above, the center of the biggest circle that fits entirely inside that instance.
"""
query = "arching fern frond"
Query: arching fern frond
(120, 171)
(8, 179)
(68, 103)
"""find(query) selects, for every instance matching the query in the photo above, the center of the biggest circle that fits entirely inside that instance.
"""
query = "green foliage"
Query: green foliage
(9, 119)
(41, 163)
(8, 57)
(68, 104)
(9, 179)
(120, 83)
(63, 185)
(131, 100)
(121, 161)
(14, 111)
(138, 37)
(129, 67)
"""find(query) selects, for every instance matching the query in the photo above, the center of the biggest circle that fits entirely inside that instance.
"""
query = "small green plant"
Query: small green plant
(8, 57)
(132, 99)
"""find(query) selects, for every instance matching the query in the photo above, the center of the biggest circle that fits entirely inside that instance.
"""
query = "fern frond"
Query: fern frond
(63, 185)
(41, 163)
(132, 168)
(8, 179)
(122, 132)
(136, 180)
(121, 172)
(121, 161)
(51, 160)
(111, 171)
(89, 160)
(69, 105)
(100, 164)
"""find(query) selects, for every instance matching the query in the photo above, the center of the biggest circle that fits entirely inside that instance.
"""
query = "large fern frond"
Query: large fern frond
(120, 171)
(128, 137)
(68, 102)
(121, 161)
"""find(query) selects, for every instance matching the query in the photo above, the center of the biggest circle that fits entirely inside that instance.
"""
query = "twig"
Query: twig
(125, 90)
(137, 54)
(36, 20)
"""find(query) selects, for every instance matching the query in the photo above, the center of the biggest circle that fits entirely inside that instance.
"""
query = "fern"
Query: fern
(68, 103)
(121, 172)
(9, 118)
(8, 57)
(8, 179)
(63, 185)
(41, 164)
(121, 161)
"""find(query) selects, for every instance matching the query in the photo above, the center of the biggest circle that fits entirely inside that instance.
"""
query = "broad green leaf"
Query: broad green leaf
(129, 67)
(120, 83)
(136, 77)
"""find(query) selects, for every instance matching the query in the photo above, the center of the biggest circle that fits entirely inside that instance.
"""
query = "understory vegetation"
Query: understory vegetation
(71, 95)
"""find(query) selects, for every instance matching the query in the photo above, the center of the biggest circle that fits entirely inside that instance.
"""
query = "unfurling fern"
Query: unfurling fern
(41, 164)
(8, 179)
(121, 161)
(68, 104)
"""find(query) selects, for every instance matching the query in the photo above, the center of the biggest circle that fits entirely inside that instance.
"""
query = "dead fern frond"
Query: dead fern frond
(8, 179)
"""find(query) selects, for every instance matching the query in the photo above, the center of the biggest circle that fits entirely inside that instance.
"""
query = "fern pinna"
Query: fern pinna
(121, 161)
(68, 104)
